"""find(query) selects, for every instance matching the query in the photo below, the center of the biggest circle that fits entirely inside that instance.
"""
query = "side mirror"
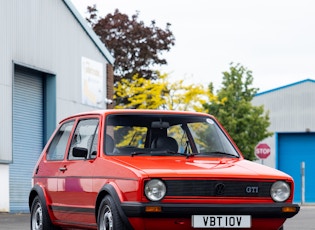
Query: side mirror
(80, 152)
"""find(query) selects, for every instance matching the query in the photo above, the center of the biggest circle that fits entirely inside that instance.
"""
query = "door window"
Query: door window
(58, 145)
(85, 139)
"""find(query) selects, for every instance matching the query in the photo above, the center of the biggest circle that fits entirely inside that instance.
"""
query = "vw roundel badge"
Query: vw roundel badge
(219, 189)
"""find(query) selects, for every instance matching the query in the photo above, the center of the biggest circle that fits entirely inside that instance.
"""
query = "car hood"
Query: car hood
(199, 167)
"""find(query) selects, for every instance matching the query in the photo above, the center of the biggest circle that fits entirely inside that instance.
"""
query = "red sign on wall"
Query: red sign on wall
(262, 150)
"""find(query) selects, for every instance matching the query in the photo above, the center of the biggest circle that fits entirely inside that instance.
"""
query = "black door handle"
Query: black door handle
(63, 169)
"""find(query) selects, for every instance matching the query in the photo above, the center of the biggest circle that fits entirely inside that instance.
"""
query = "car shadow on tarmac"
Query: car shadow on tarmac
(304, 220)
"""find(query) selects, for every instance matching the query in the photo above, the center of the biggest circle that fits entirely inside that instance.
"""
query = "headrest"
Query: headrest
(109, 144)
(167, 143)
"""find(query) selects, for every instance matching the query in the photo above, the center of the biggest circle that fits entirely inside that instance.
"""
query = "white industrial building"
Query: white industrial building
(292, 111)
(51, 65)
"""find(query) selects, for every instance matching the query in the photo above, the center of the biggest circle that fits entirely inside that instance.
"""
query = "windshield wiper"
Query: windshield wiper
(222, 153)
(160, 153)
(187, 155)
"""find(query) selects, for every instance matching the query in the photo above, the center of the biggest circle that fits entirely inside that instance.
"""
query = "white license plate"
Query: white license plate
(221, 221)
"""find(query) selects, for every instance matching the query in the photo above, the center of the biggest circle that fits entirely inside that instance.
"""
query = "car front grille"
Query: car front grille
(218, 188)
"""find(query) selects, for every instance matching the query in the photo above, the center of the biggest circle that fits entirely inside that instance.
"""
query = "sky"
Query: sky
(275, 39)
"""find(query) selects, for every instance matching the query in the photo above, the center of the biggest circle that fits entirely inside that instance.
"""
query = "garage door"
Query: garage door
(27, 134)
(294, 148)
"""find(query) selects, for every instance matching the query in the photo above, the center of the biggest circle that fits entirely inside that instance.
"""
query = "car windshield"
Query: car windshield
(165, 135)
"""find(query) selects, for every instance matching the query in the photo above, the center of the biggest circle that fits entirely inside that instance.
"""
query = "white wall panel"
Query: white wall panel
(44, 35)
(4, 193)
(291, 108)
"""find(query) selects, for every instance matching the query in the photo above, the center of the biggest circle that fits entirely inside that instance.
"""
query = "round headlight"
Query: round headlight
(280, 191)
(155, 190)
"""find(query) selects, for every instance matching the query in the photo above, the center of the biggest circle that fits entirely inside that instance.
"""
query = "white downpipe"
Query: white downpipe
(302, 182)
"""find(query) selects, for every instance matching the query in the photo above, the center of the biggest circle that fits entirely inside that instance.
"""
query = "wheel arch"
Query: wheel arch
(110, 190)
(37, 191)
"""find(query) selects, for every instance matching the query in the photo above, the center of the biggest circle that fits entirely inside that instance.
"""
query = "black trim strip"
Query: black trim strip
(72, 209)
(273, 210)
(76, 223)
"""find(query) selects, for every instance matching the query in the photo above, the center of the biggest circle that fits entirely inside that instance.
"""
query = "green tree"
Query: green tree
(137, 48)
(247, 124)
(140, 93)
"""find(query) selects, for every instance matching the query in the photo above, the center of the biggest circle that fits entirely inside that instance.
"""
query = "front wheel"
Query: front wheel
(40, 219)
(108, 216)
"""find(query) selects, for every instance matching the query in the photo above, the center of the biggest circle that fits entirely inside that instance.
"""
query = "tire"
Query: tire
(40, 219)
(108, 217)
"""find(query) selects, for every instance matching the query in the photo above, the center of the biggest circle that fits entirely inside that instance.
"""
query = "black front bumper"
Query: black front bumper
(274, 210)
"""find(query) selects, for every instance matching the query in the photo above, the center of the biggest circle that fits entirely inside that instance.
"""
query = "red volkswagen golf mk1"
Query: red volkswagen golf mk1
(149, 169)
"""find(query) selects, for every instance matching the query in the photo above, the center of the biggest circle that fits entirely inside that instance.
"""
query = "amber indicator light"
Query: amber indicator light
(153, 209)
(289, 209)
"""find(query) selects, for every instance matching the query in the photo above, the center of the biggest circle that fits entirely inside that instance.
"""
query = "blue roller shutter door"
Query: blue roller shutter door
(27, 135)
(293, 148)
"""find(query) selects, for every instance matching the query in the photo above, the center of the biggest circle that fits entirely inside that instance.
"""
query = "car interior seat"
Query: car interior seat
(165, 143)
(109, 144)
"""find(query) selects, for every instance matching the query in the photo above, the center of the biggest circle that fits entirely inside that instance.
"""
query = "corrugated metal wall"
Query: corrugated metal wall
(47, 36)
(291, 109)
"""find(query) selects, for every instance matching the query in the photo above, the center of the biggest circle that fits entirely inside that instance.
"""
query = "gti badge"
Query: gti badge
(252, 189)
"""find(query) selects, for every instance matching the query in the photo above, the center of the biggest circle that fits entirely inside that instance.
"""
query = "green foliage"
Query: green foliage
(137, 49)
(247, 124)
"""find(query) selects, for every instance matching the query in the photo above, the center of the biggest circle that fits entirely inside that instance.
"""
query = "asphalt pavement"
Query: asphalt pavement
(304, 220)
(14, 221)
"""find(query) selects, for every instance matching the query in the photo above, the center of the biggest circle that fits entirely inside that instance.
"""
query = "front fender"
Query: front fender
(109, 189)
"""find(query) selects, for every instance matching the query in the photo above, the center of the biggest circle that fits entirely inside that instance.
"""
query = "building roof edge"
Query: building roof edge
(285, 86)
(90, 32)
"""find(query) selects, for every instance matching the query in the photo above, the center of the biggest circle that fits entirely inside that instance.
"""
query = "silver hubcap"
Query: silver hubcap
(37, 218)
(107, 219)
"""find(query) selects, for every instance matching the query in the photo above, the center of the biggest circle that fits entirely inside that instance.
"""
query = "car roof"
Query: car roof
(132, 112)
